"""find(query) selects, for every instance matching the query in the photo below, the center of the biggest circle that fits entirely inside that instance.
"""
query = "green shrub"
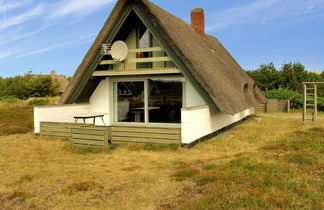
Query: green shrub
(26, 86)
(8, 99)
(39, 101)
(296, 99)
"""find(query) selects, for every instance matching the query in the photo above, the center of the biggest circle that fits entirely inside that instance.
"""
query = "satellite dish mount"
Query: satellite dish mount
(118, 50)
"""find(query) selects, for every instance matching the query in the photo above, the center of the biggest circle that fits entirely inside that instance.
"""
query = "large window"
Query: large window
(165, 100)
(148, 101)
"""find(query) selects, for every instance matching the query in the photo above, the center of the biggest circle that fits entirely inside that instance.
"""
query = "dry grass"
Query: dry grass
(15, 118)
(262, 162)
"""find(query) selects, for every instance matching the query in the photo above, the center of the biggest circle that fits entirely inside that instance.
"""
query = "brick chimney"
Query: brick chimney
(198, 20)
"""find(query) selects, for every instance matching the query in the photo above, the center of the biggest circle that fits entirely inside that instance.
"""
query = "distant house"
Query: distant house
(176, 84)
(60, 79)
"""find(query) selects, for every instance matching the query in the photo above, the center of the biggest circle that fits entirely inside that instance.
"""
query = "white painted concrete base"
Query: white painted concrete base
(57, 113)
(197, 122)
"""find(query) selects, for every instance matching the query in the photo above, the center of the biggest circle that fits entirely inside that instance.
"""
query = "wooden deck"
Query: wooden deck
(91, 135)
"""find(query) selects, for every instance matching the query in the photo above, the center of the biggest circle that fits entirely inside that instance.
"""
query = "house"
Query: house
(60, 79)
(176, 84)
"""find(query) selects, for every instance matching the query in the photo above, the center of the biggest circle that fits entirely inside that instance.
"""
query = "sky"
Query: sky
(44, 35)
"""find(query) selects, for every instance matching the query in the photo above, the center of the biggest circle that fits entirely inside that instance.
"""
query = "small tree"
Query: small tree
(267, 77)
(40, 87)
(293, 76)
(27, 86)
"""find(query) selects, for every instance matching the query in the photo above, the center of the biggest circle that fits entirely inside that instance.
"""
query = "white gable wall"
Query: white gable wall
(198, 122)
(192, 97)
(99, 101)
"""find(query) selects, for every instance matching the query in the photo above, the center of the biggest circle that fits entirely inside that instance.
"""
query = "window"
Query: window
(144, 40)
(130, 101)
(165, 100)
(154, 100)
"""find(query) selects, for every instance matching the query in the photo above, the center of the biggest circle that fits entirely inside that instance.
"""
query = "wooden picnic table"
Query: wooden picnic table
(89, 116)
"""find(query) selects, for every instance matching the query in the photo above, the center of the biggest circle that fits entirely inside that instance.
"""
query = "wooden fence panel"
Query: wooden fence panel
(146, 135)
(56, 129)
(81, 134)
(273, 105)
(91, 136)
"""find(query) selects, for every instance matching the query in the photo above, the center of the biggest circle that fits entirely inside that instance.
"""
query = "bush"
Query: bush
(296, 99)
(39, 101)
(8, 99)
(26, 86)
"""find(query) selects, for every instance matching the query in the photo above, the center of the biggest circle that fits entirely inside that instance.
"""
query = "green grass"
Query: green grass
(185, 173)
(39, 101)
(8, 99)
(286, 173)
(209, 167)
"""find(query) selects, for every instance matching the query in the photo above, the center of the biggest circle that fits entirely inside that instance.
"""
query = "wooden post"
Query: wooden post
(304, 107)
(106, 138)
(315, 103)
(288, 105)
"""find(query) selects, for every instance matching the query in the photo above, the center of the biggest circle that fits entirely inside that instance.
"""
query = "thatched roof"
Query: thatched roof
(209, 63)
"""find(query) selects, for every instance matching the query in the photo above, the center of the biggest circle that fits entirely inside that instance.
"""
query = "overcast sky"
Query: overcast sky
(42, 35)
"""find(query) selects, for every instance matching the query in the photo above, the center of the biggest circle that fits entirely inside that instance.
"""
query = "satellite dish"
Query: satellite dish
(119, 51)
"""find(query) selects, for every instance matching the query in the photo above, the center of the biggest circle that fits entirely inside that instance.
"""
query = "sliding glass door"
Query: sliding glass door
(152, 100)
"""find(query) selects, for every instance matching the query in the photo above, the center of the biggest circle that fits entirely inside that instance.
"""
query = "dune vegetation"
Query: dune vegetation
(267, 161)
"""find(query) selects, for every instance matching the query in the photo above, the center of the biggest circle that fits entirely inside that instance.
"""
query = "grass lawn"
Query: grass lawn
(15, 118)
(268, 161)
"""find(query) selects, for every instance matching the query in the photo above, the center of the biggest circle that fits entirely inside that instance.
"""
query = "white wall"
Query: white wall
(192, 97)
(57, 113)
(99, 101)
(197, 122)
(99, 104)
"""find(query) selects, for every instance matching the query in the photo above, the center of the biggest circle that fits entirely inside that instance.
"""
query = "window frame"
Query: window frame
(114, 105)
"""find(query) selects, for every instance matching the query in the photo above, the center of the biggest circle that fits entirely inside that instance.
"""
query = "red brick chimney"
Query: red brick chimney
(198, 20)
